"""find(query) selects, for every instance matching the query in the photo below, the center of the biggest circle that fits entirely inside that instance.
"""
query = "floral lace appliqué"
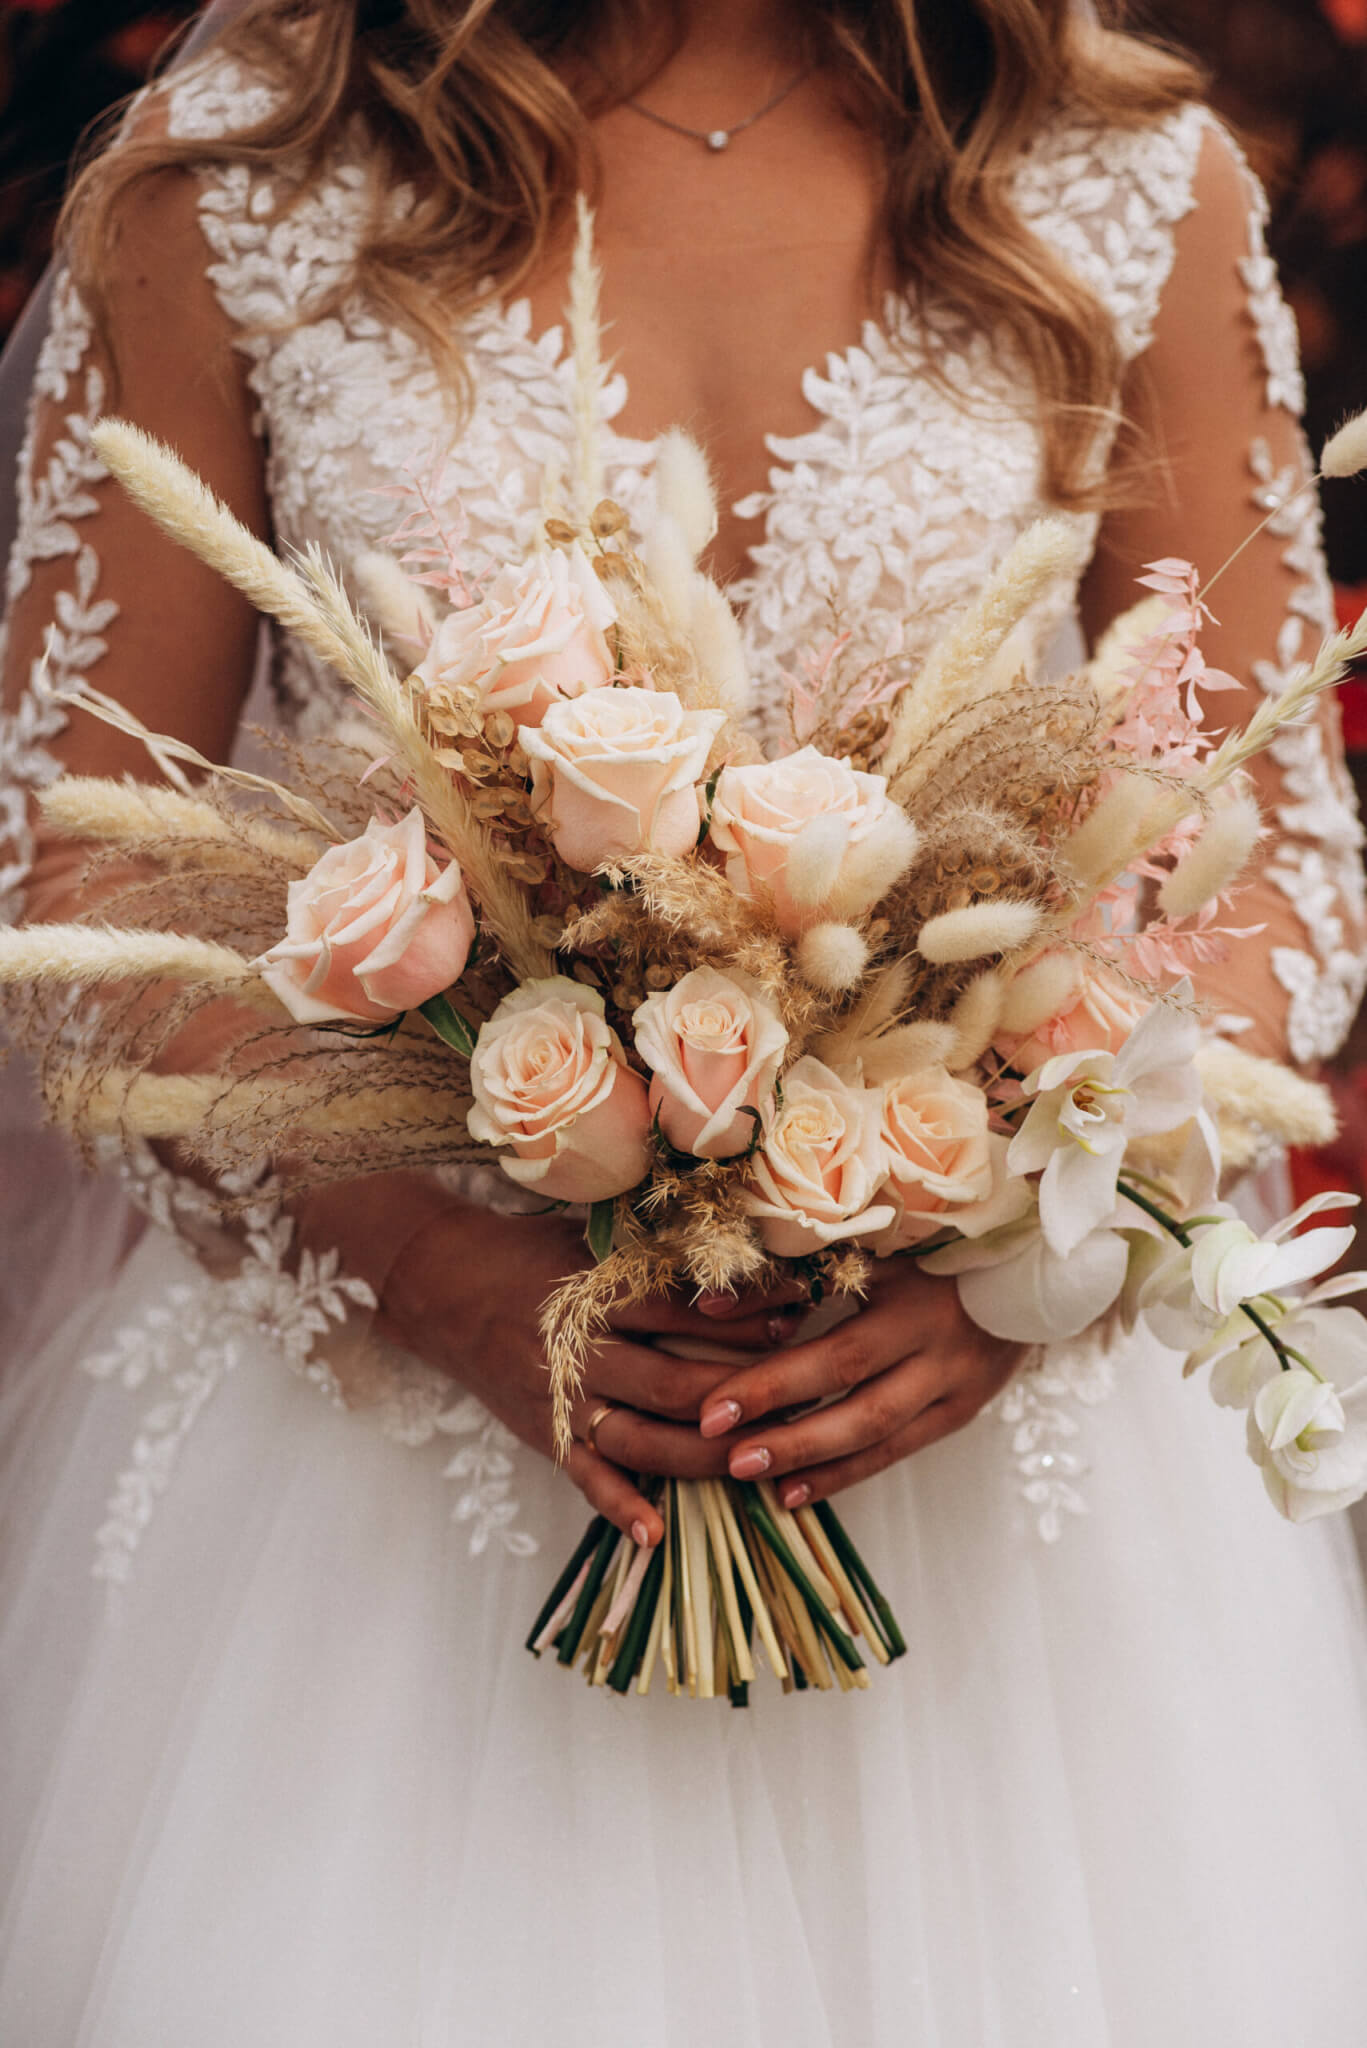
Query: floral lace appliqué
(1040, 1408)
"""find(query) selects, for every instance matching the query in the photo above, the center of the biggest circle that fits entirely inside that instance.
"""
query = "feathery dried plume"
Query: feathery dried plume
(875, 1013)
(87, 955)
(586, 353)
(977, 930)
(1345, 453)
(906, 1049)
(1281, 1105)
(1048, 552)
(683, 489)
(1111, 669)
(720, 649)
(131, 813)
(833, 956)
(1217, 857)
(975, 1019)
(1114, 830)
(1040, 991)
(193, 1106)
(400, 607)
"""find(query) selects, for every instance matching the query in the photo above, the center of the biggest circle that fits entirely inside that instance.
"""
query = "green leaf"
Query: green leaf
(450, 1027)
(598, 1234)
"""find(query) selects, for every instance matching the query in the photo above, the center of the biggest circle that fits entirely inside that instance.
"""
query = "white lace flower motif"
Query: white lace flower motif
(1087, 1106)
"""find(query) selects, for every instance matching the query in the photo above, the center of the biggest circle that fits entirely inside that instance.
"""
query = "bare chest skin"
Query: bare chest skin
(726, 275)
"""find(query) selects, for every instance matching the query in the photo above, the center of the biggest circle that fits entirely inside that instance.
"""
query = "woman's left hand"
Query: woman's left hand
(910, 1366)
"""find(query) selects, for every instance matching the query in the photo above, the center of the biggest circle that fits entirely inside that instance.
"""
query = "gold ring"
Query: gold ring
(595, 1422)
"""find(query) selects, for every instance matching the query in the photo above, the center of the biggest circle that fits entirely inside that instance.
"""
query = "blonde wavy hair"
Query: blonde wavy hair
(483, 110)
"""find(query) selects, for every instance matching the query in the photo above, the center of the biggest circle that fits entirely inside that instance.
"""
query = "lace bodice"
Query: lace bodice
(892, 507)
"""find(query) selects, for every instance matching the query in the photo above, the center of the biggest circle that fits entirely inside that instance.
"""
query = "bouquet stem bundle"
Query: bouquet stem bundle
(738, 1580)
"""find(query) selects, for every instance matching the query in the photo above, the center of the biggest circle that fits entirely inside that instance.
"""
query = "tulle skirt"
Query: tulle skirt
(296, 1783)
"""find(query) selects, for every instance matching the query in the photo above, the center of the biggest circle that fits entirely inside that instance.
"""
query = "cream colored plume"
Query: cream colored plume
(1047, 554)
(1040, 991)
(1256, 1103)
(129, 813)
(906, 1050)
(1216, 859)
(1114, 830)
(1110, 670)
(197, 1105)
(976, 1019)
(90, 954)
(586, 354)
(833, 956)
(400, 607)
(1345, 453)
(683, 489)
(977, 930)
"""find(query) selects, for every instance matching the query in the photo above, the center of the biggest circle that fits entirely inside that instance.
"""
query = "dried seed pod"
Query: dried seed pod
(560, 533)
(500, 730)
(488, 804)
(658, 975)
(608, 518)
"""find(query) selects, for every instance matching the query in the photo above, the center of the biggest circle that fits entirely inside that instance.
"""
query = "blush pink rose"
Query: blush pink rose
(715, 1046)
(822, 839)
(617, 772)
(937, 1151)
(817, 1174)
(537, 635)
(1101, 1014)
(374, 928)
(551, 1082)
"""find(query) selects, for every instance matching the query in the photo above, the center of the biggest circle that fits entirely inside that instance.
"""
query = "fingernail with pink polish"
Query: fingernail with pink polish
(640, 1535)
(797, 1496)
(749, 1464)
(716, 1421)
(715, 1304)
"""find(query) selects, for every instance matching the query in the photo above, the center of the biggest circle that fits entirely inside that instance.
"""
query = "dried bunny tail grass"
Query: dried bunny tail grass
(975, 1019)
(1216, 859)
(1345, 453)
(1046, 553)
(1044, 989)
(1110, 671)
(683, 489)
(876, 1012)
(1116, 828)
(978, 930)
(586, 353)
(833, 956)
(85, 955)
(400, 607)
(906, 1049)
(136, 814)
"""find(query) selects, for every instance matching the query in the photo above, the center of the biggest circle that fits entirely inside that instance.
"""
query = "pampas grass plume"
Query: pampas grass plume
(683, 489)
(833, 956)
(715, 632)
(1216, 859)
(90, 954)
(1040, 991)
(1345, 453)
(976, 931)
(400, 607)
(1278, 1102)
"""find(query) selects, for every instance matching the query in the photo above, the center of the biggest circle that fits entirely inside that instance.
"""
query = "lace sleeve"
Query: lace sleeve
(1219, 390)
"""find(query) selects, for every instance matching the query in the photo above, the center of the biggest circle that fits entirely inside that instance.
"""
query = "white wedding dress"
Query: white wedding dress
(275, 1770)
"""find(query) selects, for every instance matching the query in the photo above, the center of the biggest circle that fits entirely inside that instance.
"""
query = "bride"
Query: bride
(275, 1768)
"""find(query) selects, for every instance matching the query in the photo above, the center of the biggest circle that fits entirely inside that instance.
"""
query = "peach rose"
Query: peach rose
(375, 927)
(937, 1151)
(616, 772)
(535, 636)
(550, 1080)
(817, 1174)
(715, 1046)
(824, 839)
(1101, 1014)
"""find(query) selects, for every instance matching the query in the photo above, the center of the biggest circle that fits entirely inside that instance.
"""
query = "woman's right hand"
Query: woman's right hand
(465, 1295)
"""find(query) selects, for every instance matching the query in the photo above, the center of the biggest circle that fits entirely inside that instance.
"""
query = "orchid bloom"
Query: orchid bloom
(1089, 1105)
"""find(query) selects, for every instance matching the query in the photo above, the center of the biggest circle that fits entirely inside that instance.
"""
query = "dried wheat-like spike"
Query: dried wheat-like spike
(86, 955)
(586, 353)
(138, 815)
(1046, 554)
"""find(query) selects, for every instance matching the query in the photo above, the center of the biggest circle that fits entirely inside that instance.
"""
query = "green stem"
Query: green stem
(1282, 1353)
(573, 1630)
(588, 1542)
(628, 1659)
(838, 1536)
(816, 1606)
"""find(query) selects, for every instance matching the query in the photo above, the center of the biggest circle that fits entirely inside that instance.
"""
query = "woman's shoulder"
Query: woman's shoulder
(1109, 199)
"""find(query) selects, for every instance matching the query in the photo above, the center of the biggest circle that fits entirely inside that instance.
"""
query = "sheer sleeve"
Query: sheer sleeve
(1219, 393)
(98, 597)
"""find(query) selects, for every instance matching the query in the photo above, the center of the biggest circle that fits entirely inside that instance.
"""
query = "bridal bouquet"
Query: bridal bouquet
(918, 988)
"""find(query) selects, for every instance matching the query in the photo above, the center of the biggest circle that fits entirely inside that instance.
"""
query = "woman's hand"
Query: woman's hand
(910, 1366)
(466, 1295)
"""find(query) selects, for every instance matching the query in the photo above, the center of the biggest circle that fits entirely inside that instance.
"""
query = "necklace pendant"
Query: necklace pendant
(718, 138)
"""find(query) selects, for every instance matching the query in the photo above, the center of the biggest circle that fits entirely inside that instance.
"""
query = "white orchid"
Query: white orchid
(1198, 1289)
(1309, 1441)
(1013, 1284)
(1088, 1106)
